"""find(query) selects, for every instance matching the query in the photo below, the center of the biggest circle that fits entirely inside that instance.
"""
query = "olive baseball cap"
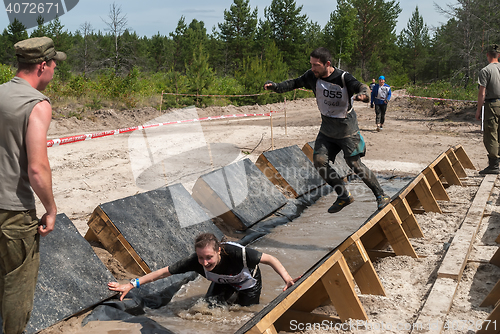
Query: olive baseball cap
(36, 50)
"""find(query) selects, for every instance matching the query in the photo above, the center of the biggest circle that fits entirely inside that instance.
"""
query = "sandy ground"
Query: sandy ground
(89, 173)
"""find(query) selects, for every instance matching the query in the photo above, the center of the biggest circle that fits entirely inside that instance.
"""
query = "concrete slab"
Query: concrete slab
(160, 225)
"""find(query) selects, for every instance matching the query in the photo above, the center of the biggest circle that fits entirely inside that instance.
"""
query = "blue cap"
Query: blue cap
(381, 77)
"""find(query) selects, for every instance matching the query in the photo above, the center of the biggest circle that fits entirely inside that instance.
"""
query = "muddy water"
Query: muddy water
(298, 245)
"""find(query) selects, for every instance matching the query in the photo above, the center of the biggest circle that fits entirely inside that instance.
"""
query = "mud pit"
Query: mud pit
(97, 171)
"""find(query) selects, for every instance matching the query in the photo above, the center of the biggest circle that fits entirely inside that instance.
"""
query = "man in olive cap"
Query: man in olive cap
(489, 95)
(25, 115)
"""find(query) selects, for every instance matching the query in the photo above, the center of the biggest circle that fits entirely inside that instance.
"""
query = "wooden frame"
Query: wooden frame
(332, 279)
(102, 229)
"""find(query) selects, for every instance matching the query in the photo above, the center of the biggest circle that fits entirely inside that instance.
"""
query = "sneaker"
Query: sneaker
(340, 203)
(381, 128)
(490, 170)
(382, 201)
(378, 128)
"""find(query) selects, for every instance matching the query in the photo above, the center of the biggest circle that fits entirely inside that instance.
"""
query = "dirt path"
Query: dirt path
(99, 170)
(89, 173)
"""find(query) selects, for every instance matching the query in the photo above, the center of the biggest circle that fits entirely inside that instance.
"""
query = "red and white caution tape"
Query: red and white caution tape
(432, 98)
(78, 138)
(194, 95)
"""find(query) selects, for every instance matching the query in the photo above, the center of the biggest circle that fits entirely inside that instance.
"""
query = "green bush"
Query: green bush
(6, 73)
(443, 90)
(77, 86)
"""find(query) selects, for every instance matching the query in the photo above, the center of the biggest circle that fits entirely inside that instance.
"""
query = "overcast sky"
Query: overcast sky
(149, 17)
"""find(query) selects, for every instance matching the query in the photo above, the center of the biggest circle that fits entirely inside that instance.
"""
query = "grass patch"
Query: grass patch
(443, 90)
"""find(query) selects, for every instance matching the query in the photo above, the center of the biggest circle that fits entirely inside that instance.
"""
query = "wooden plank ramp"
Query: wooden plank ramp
(457, 255)
(334, 277)
(443, 291)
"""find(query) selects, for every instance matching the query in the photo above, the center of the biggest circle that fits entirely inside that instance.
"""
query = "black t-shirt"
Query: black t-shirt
(337, 128)
(231, 262)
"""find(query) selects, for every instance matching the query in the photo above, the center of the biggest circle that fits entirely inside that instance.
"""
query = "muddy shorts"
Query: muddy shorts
(351, 146)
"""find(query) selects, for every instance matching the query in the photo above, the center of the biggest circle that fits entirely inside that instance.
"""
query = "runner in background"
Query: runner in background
(381, 94)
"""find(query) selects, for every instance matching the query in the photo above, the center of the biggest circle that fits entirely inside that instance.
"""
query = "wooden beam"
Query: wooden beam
(275, 177)
(457, 166)
(437, 305)
(395, 234)
(426, 197)
(308, 151)
(448, 171)
(114, 242)
(362, 269)
(339, 283)
(458, 253)
(408, 220)
(436, 185)
(463, 157)
(493, 297)
(455, 259)
(495, 259)
(491, 324)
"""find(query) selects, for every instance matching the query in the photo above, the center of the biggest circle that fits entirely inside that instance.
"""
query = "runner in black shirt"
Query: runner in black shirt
(232, 268)
(335, 91)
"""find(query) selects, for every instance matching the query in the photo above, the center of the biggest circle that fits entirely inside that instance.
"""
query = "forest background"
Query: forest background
(116, 68)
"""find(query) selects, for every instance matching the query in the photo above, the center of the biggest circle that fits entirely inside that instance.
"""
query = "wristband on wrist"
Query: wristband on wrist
(135, 283)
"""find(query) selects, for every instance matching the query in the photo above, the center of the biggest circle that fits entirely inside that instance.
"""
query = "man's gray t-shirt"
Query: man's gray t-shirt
(489, 77)
(18, 98)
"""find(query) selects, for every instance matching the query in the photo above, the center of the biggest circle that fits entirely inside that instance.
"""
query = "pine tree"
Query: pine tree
(375, 27)
(238, 32)
(340, 35)
(199, 73)
(15, 32)
(414, 42)
(287, 27)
